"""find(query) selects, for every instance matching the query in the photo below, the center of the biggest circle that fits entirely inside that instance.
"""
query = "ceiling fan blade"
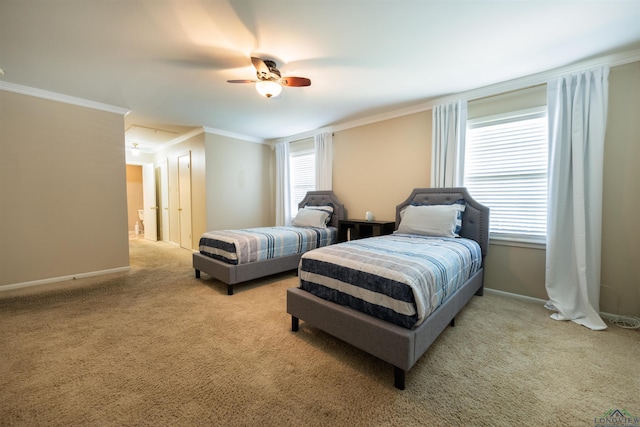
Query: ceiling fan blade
(260, 65)
(295, 81)
(241, 81)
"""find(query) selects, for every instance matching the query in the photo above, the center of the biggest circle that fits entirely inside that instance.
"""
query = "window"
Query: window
(302, 173)
(505, 168)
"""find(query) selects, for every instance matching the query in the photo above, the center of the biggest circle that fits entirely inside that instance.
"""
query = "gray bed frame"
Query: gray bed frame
(392, 343)
(234, 274)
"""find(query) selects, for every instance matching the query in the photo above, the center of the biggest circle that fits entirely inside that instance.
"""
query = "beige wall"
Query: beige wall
(196, 147)
(376, 166)
(63, 203)
(239, 180)
(531, 97)
(620, 291)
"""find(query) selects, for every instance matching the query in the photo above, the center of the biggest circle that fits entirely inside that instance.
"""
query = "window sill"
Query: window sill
(522, 243)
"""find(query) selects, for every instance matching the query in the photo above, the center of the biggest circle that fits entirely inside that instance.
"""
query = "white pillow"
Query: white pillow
(310, 218)
(328, 209)
(430, 220)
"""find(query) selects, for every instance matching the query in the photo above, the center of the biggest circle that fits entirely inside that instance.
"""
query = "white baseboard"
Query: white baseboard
(605, 315)
(516, 296)
(63, 278)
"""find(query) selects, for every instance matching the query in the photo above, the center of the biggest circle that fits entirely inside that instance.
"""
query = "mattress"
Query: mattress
(400, 278)
(259, 244)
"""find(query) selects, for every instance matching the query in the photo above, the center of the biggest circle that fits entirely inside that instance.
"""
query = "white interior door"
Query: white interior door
(149, 202)
(184, 199)
(164, 200)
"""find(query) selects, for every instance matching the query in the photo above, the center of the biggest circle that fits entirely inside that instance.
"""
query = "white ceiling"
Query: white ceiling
(168, 61)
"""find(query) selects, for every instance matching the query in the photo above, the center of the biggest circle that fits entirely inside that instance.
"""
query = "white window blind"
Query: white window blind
(506, 160)
(302, 173)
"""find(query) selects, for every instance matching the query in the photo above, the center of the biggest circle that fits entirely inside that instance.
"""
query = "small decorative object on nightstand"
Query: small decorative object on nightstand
(352, 229)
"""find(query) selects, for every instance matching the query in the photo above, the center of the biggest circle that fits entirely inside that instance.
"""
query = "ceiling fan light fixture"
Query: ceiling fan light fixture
(268, 88)
(135, 150)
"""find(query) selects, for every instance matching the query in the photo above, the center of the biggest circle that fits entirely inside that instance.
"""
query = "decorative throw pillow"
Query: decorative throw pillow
(431, 220)
(310, 218)
(460, 206)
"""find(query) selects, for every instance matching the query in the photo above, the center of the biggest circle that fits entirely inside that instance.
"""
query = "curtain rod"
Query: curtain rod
(307, 137)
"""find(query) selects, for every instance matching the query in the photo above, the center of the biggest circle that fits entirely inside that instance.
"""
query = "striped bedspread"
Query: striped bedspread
(258, 244)
(400, 278)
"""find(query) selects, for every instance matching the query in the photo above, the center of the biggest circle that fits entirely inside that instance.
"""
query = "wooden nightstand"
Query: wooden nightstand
(361, 228)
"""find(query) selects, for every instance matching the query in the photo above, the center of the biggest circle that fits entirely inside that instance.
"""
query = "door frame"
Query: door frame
(184, 202)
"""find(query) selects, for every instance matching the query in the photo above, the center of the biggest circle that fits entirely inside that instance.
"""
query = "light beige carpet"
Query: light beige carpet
(156, 346)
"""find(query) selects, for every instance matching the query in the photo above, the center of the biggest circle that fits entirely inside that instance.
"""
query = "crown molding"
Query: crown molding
(541, 78)
(66, 99)
(613, 60)
(234, 135)
(178, 140)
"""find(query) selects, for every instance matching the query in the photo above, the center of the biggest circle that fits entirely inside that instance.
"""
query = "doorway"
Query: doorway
(148, 191)
(135, 201)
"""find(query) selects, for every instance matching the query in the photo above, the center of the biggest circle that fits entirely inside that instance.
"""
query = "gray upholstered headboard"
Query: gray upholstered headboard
(475, 220)
(324, 198)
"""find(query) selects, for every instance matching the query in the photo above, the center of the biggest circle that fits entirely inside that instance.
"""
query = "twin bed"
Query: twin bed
(390, 296)
(236, 256)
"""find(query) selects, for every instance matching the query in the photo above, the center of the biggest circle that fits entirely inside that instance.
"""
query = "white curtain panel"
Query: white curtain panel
(283, 203)
(323, 143)
(447, 156)
(577, 121)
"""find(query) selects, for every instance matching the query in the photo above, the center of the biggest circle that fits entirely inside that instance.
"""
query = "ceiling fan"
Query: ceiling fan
(270, 81)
